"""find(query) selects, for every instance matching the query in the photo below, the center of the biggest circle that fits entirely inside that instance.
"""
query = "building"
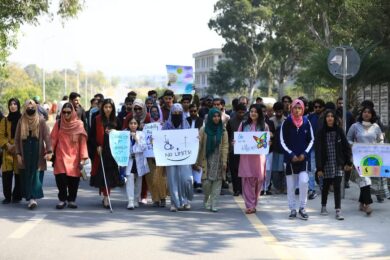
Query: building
(205, 62)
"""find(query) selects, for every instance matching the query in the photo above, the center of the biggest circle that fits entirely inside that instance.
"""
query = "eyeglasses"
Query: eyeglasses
(66, 112)
(137, 109)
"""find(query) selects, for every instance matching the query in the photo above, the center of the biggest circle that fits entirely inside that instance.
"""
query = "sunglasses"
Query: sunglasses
(137, 109)
(66, 112)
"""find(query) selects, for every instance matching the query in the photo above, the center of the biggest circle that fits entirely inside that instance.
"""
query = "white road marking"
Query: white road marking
(27, 226)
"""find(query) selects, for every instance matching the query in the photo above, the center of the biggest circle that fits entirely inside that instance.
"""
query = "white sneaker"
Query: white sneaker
(130, 205)
(136, 204)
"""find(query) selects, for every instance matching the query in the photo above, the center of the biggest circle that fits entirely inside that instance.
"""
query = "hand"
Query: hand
(233, 142)
(48, 156)
(99, 150)
(301, 158)
(20, 160)
(320, 174)
(347, 168)
(295, 159)
(82, 162)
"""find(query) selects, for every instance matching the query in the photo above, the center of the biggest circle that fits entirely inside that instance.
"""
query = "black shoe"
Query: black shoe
(162, 203)
(347, 185)
(199, 190)
(156, 204)
(303, 214)
(293, 214)
(262, 193)
(6, 201)
(225, 185)
(268, 192)
(236, 193)
(380, 199)
(312, 195)
(296, 191)
(61, 205)
(72, 205)
(16, 200)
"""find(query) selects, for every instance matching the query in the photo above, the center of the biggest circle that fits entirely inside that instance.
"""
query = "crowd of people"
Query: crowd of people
(309, 151)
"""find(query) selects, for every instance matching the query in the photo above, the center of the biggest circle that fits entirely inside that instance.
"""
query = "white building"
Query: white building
(205, 62)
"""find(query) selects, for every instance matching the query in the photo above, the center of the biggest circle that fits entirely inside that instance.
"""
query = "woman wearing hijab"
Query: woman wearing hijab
(333, 155)
(7, 143)
(179, 176)
(31, 137)
(69, 142)
(102, 125)
(139, 113)
(297, 139)
(212, 157)
(251, 168)
(156, 180)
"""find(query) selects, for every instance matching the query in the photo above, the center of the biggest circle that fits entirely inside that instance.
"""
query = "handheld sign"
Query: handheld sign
(181, 79)
(176, 147)
(372, 160)
(148, 130)
(120, 146)
(251, 142)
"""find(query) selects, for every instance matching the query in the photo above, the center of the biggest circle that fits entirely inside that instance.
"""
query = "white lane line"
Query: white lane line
(27, 226)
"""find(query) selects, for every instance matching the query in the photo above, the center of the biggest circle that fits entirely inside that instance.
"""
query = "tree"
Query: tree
(224, 79)
(241, 23)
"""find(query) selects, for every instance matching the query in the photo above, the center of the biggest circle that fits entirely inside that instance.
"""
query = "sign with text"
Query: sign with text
(251, 142)
(372, 160)
(120, 146)
(176, 147)
(181, 79)
(148, 130)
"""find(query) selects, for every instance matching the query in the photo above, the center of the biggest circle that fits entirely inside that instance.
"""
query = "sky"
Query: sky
(121, 37)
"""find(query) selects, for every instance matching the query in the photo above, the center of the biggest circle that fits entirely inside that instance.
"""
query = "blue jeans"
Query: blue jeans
(312, 180)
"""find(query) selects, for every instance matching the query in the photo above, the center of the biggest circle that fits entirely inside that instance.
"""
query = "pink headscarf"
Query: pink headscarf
(298, 121)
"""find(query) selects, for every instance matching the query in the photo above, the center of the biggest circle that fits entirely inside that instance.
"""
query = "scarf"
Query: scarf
(30, 123)
(213, 131)
(73, 127)
(298, 121)
(13, 117)
(139, 103)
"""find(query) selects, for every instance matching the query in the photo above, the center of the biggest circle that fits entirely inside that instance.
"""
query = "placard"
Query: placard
(181, 79)
(148, 130)
(251, 142)
(176, 147)
(120, 146)
(372, 160)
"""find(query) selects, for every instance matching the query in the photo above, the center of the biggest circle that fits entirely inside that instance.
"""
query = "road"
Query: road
(91, 232)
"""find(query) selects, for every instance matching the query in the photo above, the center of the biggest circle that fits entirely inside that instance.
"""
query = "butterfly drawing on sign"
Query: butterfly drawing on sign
(261, 141)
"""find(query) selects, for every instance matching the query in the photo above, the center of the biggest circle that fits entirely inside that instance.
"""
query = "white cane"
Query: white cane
(105, 183)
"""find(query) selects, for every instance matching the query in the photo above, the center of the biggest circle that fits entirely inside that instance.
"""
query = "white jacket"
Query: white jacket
(138, 150)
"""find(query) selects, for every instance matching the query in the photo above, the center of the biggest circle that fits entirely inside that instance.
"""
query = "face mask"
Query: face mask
(30, 112)
(155, 115)
(176, 120)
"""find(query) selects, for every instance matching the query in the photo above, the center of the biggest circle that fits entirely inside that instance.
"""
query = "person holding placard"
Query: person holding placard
(138, 166)
(367, 131)
(69, 142)
(212, 157)
(252, 166)
(179, 176)
(333, 155)
(101, 128)
(297, 139)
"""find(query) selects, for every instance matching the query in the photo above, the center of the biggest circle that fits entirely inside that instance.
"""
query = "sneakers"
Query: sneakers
(61, 205)
(338, 215)
(130, 205)
(32, 204)
(187, 207)
(213, 209)
(207, 206)
(312, 195)
(293, 214)
(324, 212)
(303, 215)
(173, 209)
(268, 192)
(72, 205)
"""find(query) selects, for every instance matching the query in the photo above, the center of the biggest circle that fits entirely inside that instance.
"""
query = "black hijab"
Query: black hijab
(13, 117)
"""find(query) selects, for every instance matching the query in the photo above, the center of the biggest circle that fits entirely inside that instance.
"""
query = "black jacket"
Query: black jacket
(343, 149)
(198, 122)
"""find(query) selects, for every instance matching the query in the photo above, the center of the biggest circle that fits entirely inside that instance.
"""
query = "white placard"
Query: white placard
(176, 147)
(372, 160)
(148, 130)
(251, 142)
(120, 146)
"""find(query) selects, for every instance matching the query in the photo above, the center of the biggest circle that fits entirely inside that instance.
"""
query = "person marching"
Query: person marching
(102, 125)
(297, 139)
(69, 142)
(7, 143)
(179, 176)
(138, 165)
(333, 156)
(212, 157)
(31, 137)
(252, 166)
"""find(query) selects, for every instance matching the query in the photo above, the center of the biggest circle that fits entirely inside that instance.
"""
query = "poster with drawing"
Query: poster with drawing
(372, 160)
(148, 130)
(251, 142)
(120, 146)
(176, 147)
(181, 79)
